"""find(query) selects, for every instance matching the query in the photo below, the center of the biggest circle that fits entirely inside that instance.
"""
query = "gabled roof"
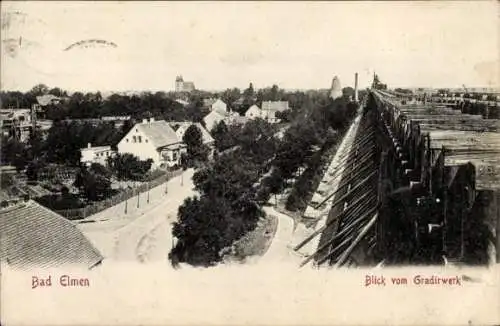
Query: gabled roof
(253, 108)
(219, 106)
(275, 106)
(183, 126)
(47, 99)
(159, 133)
(96, 148)
(34, 236)
(213, 118)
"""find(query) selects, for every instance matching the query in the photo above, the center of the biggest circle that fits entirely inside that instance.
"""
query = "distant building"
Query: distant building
(119, 121)
(336, 89)
(270, 108)
(33, 236)
(254, 112)
(219, 106)
(235, 119)
(183, 86)
(45, 100)
(181, 127)
(98, 154)
(212, 119)
(16, 123)
(154, 140)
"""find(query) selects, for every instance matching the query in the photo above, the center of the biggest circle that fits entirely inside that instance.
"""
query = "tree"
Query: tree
(196, 150)
(198, 244)
(348, 92)
(56, 91)
(129, 167)
(92, 185)
(230, 95)
(40, 89)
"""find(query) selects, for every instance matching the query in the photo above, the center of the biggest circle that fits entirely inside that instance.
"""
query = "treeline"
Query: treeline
(162, 105)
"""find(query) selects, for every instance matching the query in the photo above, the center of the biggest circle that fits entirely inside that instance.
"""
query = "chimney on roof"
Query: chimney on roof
(144, 120)
(89, 145)
(151, 119)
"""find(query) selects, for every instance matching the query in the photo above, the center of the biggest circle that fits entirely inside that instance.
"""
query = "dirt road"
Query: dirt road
(144, 233)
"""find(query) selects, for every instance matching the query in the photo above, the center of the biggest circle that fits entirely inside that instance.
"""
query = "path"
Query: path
(280, 251)
(145, 233)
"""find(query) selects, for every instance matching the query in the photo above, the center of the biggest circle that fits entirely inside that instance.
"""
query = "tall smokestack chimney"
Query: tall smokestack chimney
(356, 87)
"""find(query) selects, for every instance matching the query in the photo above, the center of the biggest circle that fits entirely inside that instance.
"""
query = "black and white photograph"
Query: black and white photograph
(279, 142)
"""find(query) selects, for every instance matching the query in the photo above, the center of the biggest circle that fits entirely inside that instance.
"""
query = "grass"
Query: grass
(255, 242)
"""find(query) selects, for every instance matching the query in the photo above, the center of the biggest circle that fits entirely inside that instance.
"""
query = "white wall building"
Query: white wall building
(212, 119)
(181, 127)
(98, 154)
(254, 112)
(219, 106)
(270, 108)
(154, 140)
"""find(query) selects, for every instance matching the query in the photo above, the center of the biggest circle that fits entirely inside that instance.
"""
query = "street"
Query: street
(143, 234)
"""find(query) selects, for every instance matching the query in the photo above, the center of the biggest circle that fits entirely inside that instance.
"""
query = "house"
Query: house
(98, 154)
(269, 109)
(207, 139)
(33, 236)
(45, 100)
(212, 119)
(219, 106)
(254, 112)
(181, 127)
(235, 119)
(154, 140)
(16, 123)
(119, 121)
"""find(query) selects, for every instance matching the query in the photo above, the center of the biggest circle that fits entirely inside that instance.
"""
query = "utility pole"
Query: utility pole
(148, 193)
(138, 197)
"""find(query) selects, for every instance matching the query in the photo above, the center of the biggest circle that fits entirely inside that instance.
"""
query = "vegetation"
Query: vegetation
(197, 151)
(251, 165)
(128, 167)
(226, 208)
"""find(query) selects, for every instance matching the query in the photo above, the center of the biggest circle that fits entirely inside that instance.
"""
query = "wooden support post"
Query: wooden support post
(317, 232)
(348, 193)
(353, 245)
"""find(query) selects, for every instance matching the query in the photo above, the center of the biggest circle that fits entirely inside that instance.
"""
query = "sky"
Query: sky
(219, 45)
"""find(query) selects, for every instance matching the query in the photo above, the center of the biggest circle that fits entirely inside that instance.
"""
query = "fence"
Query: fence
(80, 213)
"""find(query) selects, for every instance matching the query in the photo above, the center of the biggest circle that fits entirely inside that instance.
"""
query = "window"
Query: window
(127, 140)
(107, 153)
(139, 139)
(134, 139)
(136, 130)
(174, 155)
(146, 140)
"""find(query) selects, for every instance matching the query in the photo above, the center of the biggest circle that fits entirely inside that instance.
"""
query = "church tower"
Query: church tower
(179, 84)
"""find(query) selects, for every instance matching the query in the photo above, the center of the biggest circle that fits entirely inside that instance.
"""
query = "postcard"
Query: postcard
(250, 163)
